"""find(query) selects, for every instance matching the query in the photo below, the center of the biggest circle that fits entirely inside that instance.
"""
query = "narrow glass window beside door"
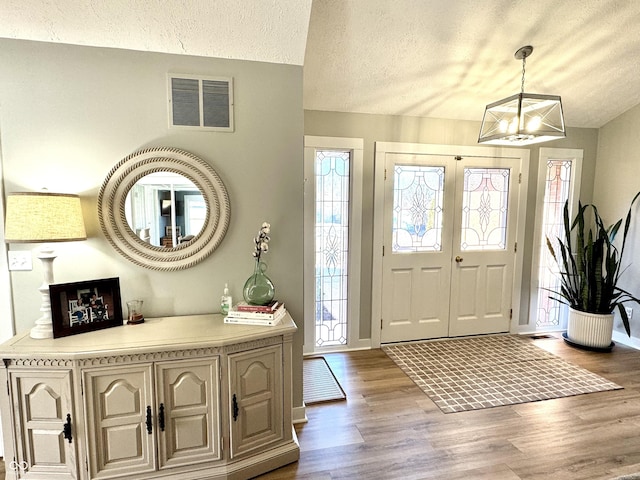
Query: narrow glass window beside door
(332, 178)
(556, 193)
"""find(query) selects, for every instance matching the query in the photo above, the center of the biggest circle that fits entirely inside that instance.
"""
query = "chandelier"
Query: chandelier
(524, 118)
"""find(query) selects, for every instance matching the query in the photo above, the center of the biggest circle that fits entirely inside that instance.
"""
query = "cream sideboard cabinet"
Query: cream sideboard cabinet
(180, 398)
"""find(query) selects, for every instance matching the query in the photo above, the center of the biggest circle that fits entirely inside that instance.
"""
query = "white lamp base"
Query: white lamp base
(42, 331)
(44, 325)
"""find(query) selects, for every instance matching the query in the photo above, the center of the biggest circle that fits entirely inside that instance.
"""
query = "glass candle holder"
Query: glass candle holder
(135, 312)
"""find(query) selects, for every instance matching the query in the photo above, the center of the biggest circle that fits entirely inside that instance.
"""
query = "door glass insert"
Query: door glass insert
(556, 193)
(332, 175)
(484, 209)
(418, 197)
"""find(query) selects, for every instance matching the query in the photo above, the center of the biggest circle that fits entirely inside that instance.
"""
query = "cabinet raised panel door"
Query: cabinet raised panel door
(188, 406)
(42, 406)
(119, 401)
(256, 399)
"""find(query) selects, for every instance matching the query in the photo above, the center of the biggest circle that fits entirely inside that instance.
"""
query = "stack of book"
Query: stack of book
(268, 315)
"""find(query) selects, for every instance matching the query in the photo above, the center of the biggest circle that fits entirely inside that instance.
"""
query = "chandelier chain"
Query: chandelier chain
(524, 63)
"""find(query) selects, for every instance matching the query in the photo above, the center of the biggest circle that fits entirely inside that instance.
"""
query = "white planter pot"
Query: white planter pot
(590, 329)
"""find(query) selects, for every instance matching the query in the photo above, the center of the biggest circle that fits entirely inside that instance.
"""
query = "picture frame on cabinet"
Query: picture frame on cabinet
(168, 231)
(80, 307)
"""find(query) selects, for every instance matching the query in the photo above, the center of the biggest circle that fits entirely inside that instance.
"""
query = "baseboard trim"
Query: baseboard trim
(299, 414)
(360, 345)
(620, 337)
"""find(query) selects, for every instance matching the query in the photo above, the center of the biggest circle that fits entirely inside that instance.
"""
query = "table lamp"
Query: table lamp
(44, 217)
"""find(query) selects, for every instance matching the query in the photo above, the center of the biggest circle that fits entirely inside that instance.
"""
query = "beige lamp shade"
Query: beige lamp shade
(43, 217)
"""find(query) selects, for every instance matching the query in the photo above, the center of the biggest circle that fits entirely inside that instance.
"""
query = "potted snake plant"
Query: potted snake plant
(589, 274)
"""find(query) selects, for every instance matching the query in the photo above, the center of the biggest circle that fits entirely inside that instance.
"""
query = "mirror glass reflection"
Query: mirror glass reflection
(165, 209)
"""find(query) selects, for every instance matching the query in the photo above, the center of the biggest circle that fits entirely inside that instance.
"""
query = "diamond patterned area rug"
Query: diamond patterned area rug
(483, 372)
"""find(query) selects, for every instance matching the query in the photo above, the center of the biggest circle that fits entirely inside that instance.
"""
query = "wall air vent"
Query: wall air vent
(202, 103)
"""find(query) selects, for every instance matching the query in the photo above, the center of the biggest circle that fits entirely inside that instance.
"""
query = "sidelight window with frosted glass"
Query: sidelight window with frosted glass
(332, 181)
(556, 193)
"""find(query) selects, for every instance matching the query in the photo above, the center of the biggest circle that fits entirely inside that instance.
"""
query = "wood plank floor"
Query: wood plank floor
(388, 429)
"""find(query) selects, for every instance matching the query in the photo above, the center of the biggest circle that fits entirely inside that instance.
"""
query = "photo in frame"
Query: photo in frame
(168, 231)
(86, 306)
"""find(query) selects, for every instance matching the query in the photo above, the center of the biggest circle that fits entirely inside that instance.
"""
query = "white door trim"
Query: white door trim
(381, 149)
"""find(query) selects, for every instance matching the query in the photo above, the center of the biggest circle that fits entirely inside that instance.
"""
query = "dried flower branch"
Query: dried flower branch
(262, 241)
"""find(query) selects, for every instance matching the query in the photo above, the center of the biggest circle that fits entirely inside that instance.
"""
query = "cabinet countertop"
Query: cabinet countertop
(154, 335)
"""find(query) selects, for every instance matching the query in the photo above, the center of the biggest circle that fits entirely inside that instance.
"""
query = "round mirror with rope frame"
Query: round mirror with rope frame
(112, 208)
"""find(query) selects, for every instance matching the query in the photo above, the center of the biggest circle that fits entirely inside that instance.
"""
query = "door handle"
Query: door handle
(235, 408)
(459, 259)
(66, 429)
(149, 422)
(161, 417)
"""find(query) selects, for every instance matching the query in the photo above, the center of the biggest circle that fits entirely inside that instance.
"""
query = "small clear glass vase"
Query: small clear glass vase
(258, 289)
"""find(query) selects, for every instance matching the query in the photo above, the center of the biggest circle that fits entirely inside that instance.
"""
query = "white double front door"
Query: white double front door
(449, 245)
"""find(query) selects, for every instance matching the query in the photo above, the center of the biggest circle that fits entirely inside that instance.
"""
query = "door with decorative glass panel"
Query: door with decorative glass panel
(449, 240)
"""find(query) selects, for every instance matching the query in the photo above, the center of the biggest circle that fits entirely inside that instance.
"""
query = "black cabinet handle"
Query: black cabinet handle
(161, 417)
(149, 424)
(235, 408)
(66, 429)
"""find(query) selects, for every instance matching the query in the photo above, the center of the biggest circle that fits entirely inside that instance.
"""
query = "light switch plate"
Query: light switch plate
(20, 260)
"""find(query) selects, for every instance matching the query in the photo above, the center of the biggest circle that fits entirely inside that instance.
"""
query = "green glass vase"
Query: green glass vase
(258, 289)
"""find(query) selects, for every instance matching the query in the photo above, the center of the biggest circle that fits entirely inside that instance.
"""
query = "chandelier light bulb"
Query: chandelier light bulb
(534, 124)
(513, 126)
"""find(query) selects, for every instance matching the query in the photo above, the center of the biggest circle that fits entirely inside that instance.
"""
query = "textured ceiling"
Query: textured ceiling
(272, 31)
(448, 59)
(432, 58)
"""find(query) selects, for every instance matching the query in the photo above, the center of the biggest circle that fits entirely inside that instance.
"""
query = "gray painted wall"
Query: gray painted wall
(385, 128)
(68, 114)
(617, 181)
